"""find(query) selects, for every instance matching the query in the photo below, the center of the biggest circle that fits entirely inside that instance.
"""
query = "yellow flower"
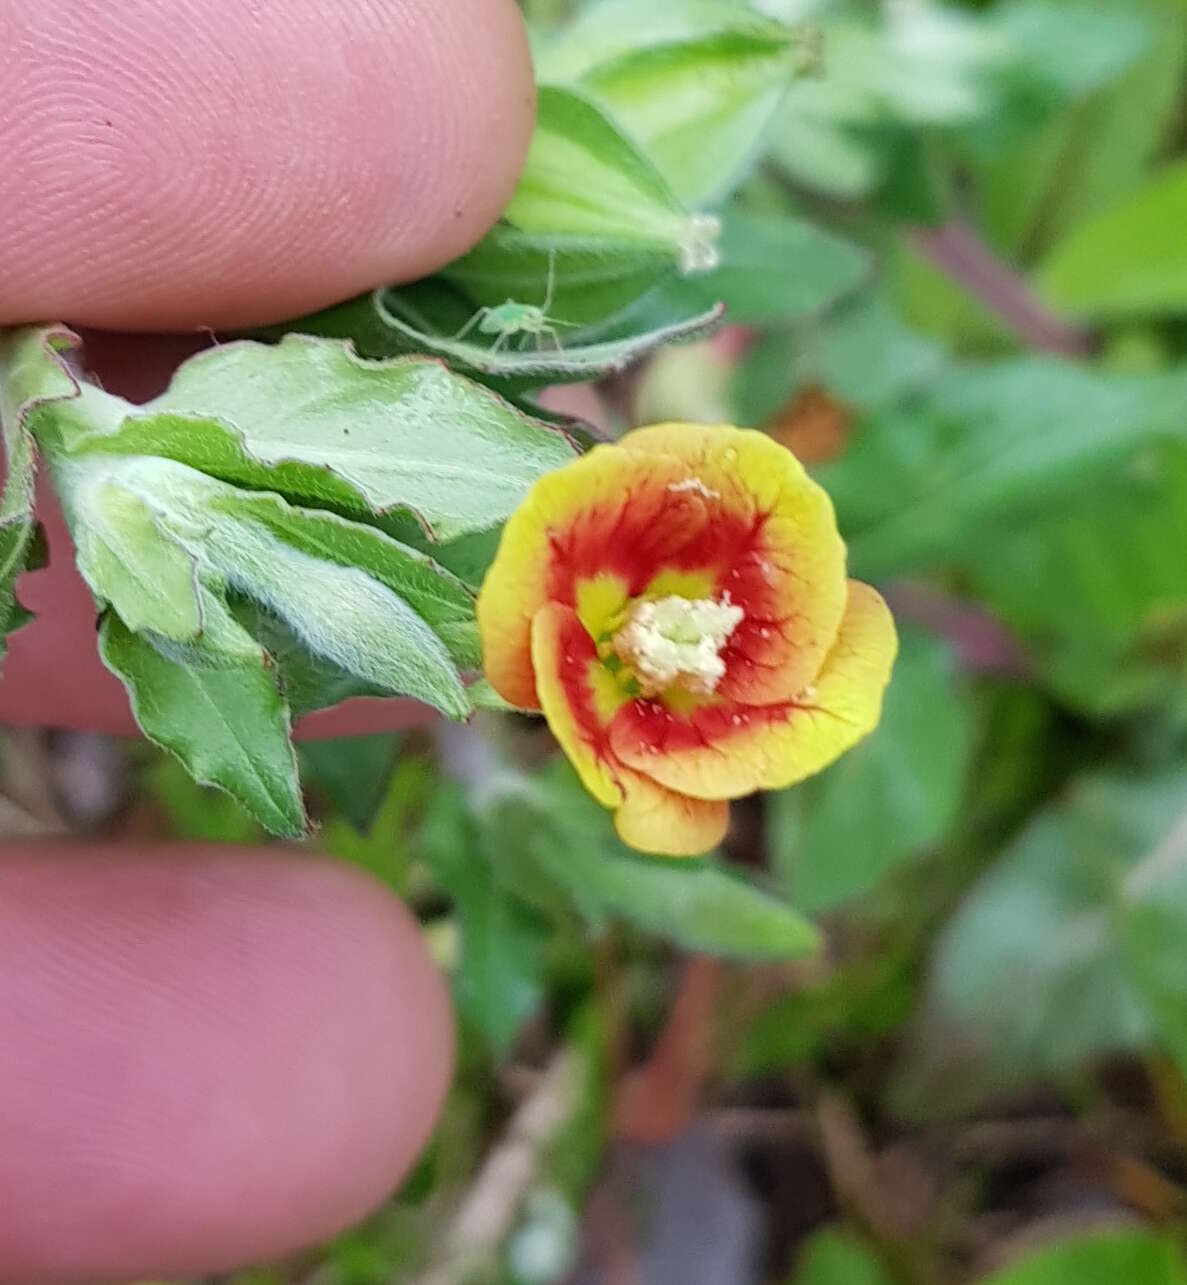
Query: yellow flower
(677, 605)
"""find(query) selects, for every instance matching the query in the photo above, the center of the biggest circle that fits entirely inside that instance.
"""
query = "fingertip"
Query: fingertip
(213, 1057)
(209, 163)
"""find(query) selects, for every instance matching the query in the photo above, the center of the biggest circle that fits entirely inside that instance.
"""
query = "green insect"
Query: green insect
(511, 318)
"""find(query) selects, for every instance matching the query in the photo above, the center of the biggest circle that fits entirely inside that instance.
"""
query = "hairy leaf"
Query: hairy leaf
(31, 376)
(694, 84)
(312, 421)
(214, 703)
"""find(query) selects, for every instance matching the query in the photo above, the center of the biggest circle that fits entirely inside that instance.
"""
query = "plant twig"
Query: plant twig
(957, 250)
(511, 1170)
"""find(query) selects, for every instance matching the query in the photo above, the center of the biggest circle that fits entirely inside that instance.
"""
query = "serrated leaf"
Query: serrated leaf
(312, 421)
(306, 680)
(1129, 260)
(340, 613)
(533, 361)
(127, 559)
(436, 595)
(695, 84)
(215, 705)
(314, 570)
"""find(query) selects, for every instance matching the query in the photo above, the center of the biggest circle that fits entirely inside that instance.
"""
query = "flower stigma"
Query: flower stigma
(677, 641)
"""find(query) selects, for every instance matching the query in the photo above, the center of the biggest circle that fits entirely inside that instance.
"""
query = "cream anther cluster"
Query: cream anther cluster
(677, 641)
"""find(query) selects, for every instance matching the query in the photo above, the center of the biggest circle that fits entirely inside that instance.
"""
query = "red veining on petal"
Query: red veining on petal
(649, 530)
(648, 727)
(577, 655)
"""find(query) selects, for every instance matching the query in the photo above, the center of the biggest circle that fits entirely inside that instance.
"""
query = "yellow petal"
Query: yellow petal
(790, 578)
(665, 824)
(578, 695)
(587, 531)
(722, 750)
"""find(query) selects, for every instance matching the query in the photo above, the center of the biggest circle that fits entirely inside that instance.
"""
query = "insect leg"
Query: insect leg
(474, 320)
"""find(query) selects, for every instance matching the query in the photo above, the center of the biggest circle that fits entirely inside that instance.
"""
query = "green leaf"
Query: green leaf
(352, 773)
(436, 595)
(129, 559)
(608, 31)
(838, 835)
(1096, 588)
(307, 681)
(1084, 917)
(593, 277)
(196, 811)
(855, 1004)
(812, 139)
(499, 984)
(778, 269)
(861, 353)
(32, 375)
(699, 904)
(309, 419)
(383, 799)
(834, 1256)
(694, 84)
(585, 179)
(215, 705)
(1105, 1257)
(1065, 48)
(335, 583)
(531, 361)
(340, 613)
(1032, 190)
(1130, 260)
(990, 444)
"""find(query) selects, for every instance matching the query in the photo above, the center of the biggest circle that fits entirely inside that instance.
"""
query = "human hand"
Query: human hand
(208, 1057)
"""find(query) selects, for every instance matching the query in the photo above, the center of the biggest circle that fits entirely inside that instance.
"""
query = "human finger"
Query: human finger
(209, 1057)
(214, 163)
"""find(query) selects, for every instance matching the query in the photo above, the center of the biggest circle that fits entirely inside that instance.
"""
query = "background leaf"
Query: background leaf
(696, 903)
(1075, 918)
(1100, 1258)
(839, 834)
(921, 482)
(777, 269)
(500, 979)
(1129, 260)
(836, 1257)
